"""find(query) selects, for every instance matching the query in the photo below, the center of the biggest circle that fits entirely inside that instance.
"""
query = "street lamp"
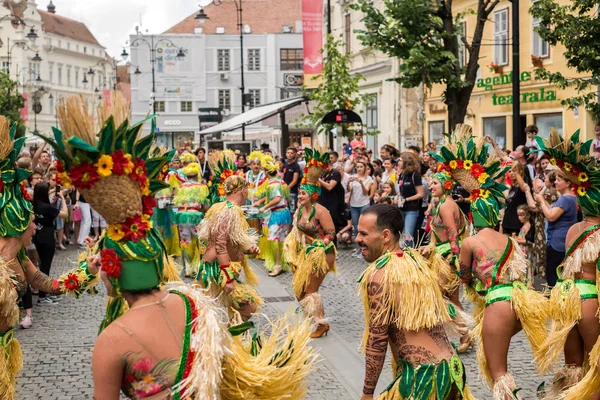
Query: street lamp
(202, 18)
(153, 46)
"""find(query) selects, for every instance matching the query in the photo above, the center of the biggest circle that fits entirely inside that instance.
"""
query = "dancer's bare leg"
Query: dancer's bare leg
(247, 310)
(589, 329)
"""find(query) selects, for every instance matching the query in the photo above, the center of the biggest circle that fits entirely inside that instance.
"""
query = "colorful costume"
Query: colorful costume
(191, 201)
(279, 217)
(469, 163)
(411, 300)
(307, 245)
(164, 215)
(224, 232)
(118, 178)
(566, 298)
(257, 184)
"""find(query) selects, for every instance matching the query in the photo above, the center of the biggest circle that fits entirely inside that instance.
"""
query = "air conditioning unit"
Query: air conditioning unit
(224, 76)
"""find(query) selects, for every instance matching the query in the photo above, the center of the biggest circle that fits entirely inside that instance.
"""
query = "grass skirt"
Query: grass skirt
(11, 363)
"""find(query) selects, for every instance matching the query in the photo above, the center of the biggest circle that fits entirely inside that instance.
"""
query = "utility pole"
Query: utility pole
(516, 76)
(241, 25)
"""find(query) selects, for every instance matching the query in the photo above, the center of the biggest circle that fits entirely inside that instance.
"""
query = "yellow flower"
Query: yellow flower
(146, 187)
(484, 194)
(581, 191)
(105, 165)
(115, 232)
(583, 177)
(129, 168)
(467, 165)
(147, 219)
(553, 161)
(453, 164)
(64, 179)
(568, 167)
(482, 178)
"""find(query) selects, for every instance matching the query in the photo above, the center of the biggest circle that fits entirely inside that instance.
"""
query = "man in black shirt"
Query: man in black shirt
(205, 169)
(291, 176)
(332, 196)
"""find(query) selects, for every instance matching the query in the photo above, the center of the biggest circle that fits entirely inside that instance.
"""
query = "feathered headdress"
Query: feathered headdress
(582, 170)
(256, 156)
(15, 208)
(226, 179)
(467, 160)
(315, 164)
(117, 174)
(269, 164)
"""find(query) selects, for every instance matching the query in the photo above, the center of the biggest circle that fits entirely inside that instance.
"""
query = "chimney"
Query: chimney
(51, 8)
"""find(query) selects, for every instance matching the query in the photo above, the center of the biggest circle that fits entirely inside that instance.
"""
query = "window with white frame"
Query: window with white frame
(51, 72)
(501, 37)
(254, 98)
(186, 106)
(540, 46)
(253, 59)
(51, 104)
(223, 60)
(372, 113)
(495, 127)
(436, 131)
(77, 77)
(160, 106)
(546, 122)
(68, 76)
(59, 72)
(225, 99)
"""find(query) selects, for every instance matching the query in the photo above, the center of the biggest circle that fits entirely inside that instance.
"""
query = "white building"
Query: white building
(69, 51)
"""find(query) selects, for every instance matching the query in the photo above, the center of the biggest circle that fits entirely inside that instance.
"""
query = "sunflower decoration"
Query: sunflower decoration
(118, 174)
(226, 179)
(573, 158)
(467, 161)
(316, 163)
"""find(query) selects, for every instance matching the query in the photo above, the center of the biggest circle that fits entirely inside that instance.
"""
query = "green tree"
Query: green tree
(338, 89)
(576, 26)
(11, 102)
(426, 35)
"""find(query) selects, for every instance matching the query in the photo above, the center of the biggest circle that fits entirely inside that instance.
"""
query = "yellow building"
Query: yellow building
(490, 108)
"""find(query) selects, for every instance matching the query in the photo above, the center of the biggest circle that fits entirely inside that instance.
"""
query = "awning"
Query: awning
(254, 115)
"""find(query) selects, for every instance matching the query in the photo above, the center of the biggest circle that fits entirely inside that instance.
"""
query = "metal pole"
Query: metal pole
(241, 25)
(8, 71)
(152, 61)
(328, 16)
(516, 75)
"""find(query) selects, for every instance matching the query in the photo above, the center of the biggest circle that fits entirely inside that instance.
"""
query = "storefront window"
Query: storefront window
(545, 122)
(496, 129)
(436, 132)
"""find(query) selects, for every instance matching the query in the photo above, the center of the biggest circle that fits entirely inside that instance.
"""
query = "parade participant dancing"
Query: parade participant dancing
(164, 215)
(574, 300)
(493, 265)
(192, 202)
(448, 227)
(224, 233)
(257, 184)
(279, 218)
(405, 309)
(16, 270)
(309, 248)
(172, 343)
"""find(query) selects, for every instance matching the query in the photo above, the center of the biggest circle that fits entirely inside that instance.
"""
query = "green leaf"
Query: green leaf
(107, 136)
(424, 381)
(575, 137)
(143, 146)
(17, 146)
(22, 174)
(156, 185)
(154, 165)
(405, 385)
(58, 138)
(77, 143)
(443, 382)
(241, 328)
(447, 154)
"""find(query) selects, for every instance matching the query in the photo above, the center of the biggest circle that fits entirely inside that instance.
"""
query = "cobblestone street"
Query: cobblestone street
(57, 350)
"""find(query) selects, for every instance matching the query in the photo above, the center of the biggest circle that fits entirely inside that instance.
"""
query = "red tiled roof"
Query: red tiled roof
(255, 12)
(66, 27)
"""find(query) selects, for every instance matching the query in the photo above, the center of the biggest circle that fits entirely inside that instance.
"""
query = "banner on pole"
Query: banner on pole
(312, 35)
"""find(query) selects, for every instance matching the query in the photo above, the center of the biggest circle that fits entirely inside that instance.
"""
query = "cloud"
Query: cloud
(112, 21)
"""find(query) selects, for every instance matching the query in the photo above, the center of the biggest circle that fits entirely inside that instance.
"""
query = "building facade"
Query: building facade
(72, 60)
(395, 112)
(188, 90)
(490, 108)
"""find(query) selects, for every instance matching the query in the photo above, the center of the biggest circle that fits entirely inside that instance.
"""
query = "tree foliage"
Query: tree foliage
(11, 102)
(576, 26)
(337, 89)
(426, 36)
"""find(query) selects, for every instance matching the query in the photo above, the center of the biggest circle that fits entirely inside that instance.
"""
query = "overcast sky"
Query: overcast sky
(112, 21)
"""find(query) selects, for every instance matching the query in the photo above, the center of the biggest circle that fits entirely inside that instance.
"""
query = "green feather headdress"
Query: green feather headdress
(15, 209)
(226, 177)
(573, 158)
(469, 163)
(315, 164)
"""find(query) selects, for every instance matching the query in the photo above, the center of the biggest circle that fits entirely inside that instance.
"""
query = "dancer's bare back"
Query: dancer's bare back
(588, 269)
(479, 255)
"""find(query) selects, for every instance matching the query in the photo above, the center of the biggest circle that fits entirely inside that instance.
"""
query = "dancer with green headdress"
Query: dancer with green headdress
(449, 226)
(277, 195)
(16, 270)
(575, 328)
(309, 248)
(493, 268)
(173, 342)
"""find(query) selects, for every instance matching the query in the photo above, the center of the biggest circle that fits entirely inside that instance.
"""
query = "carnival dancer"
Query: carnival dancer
(192, 202)
(164, 214)
(575, 328)
(224, 235)
(172, 343)
(279, 219)
(492, 265)
(309, 248)
(448, 227)
(405, 309)
(257, 183)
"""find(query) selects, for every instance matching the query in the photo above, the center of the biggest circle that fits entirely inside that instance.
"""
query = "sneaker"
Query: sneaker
(54, 298)
(46, 301)
(26, 322)
(62, 247)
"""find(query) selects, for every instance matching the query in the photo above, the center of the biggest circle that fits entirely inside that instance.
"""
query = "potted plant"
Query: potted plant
(537, 61)
(495, 68)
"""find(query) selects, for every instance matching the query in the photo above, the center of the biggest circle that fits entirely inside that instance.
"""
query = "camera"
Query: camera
(455, 197)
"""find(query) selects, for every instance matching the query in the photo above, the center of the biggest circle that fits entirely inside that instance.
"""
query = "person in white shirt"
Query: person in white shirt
(359, 187)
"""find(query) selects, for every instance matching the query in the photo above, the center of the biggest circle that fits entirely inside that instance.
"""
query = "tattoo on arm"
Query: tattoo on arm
(377, 342)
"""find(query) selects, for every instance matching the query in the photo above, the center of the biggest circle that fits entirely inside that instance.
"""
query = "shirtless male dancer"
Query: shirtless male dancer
(404, 308)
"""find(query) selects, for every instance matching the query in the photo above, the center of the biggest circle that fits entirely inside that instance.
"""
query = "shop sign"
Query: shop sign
(526, 97)
(501, 80)
(172, 122)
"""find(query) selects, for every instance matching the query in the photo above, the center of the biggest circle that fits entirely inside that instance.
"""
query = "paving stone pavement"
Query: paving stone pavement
(57, 350)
